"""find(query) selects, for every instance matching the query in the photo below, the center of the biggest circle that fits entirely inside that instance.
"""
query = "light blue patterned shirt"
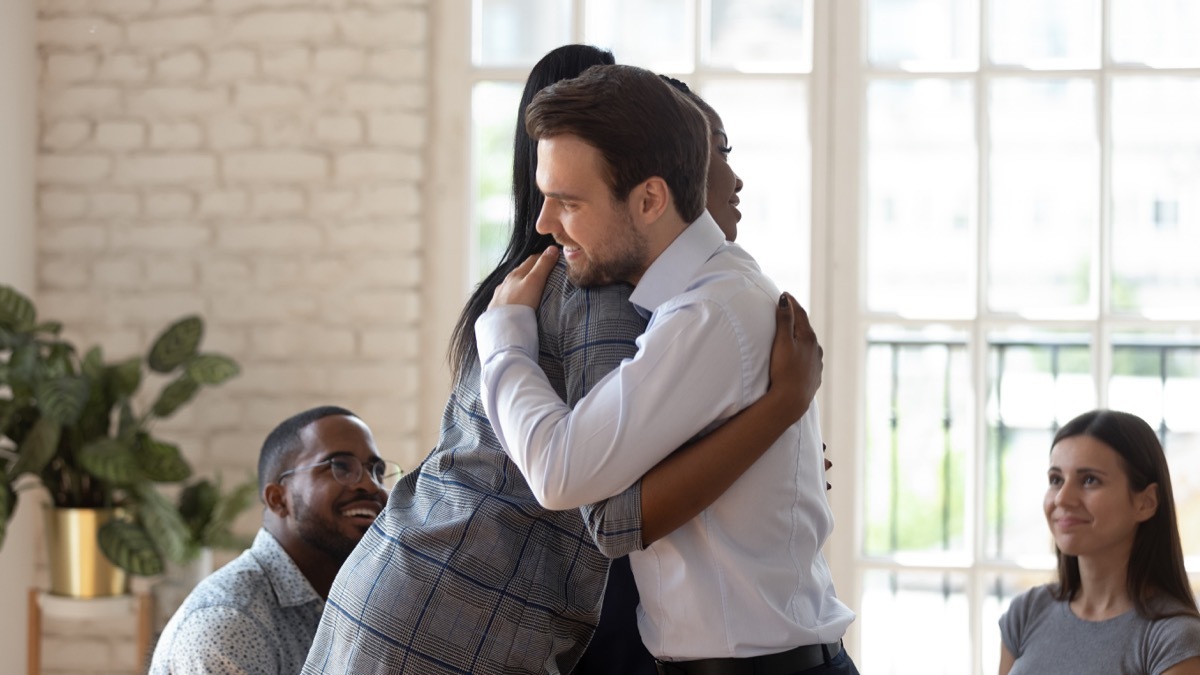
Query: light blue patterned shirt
(256, 615)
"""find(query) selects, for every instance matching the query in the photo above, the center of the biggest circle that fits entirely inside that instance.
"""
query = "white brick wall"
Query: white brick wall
(256, 161)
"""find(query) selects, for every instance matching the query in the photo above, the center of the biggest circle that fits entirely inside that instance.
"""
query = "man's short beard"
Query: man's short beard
(627, 263)
(319, 535)
(614, 272)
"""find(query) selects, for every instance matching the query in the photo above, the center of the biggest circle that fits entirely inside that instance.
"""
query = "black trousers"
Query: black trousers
(616, 647)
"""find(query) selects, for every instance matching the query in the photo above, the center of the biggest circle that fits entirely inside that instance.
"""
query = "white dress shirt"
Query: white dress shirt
(744, 578)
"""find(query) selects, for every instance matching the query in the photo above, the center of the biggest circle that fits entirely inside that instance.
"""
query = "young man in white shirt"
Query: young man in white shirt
(622, 159)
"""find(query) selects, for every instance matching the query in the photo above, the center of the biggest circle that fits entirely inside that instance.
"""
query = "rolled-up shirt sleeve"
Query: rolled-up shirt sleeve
(615, 524)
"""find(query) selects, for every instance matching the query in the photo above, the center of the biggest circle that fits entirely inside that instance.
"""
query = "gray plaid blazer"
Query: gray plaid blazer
(464, 572)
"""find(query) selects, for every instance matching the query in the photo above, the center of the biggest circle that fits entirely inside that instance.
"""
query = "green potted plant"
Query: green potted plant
(70, 421)
(209, 511)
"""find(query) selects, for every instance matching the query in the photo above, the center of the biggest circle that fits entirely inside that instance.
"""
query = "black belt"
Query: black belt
(783, 663)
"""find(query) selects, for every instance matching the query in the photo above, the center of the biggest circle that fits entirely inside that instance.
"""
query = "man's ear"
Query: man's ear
(275, 496)
(651, 199)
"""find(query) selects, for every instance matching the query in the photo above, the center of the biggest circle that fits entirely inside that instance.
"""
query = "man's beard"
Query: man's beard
(625, 259)
(321, 534)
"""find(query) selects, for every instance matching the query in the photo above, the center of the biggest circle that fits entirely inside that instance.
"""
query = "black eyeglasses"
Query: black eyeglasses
(348, 470)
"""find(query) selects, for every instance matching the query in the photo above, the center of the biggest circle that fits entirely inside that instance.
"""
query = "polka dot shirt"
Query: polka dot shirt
(256, 615)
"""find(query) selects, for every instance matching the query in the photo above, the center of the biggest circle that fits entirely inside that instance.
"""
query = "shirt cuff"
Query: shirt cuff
(616, 523)
(505, 327)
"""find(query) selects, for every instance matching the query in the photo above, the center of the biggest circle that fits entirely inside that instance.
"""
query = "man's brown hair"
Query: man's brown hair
(641, 126)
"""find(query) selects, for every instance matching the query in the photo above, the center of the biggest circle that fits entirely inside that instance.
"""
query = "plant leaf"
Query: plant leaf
(51, 327)
(174, 395)
(16, 311)
(7, 501)
(176, 344)
(111, 460)
(127, 425)
(38, 448)
(124, 378)
(212, 368)
(196, 504)
(23, 362)
(93, 363)
(163, 523)
(128, 546)
(161, 462)
(59, 361)
(217, 532)
(63, 398)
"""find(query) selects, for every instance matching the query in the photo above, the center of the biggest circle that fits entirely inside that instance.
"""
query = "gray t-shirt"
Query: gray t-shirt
(1046, 637)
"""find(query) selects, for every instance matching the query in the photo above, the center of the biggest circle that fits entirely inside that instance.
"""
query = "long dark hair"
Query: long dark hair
(559, 64)
(1156, 560)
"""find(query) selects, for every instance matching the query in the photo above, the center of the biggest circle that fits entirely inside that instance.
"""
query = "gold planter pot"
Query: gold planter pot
(77, 566)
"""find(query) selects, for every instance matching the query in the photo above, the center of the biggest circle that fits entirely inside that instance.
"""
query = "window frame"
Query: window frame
(850, 320)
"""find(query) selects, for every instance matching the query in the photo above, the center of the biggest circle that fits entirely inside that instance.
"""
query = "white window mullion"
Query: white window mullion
(446, 279)
(976, 521)
(579, 21)
(1102, 341)
(821, 133)
(842, 300)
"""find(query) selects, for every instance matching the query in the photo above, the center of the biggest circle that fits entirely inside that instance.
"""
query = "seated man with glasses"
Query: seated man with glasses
(323, 484)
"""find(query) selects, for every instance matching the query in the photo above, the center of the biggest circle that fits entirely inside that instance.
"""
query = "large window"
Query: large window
(993, 209)
(752, 61)
(1030, 216)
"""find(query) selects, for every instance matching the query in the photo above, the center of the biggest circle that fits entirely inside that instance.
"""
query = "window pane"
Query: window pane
(1015, 526)
(519, 32)
(1036, 382)
(768, 131)
(761, 35)
(923, 35)
(1045, 33)
(1156, 195)
(1160, 33)
(919, 426)
(1045, 170)
(901, 610)
(1157, 377)
(655, 34)
(493, 119)
(921, 192)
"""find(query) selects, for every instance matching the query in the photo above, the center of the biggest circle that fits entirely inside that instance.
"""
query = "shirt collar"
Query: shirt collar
(289, 583)
(671, 271)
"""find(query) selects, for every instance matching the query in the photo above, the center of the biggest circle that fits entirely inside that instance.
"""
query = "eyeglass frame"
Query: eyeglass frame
(362, 466)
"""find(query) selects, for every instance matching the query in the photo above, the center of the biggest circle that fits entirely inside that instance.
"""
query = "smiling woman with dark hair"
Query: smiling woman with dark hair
(1122, 602)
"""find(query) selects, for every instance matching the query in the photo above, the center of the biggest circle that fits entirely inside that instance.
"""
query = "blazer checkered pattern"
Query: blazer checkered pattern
(464, 572)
